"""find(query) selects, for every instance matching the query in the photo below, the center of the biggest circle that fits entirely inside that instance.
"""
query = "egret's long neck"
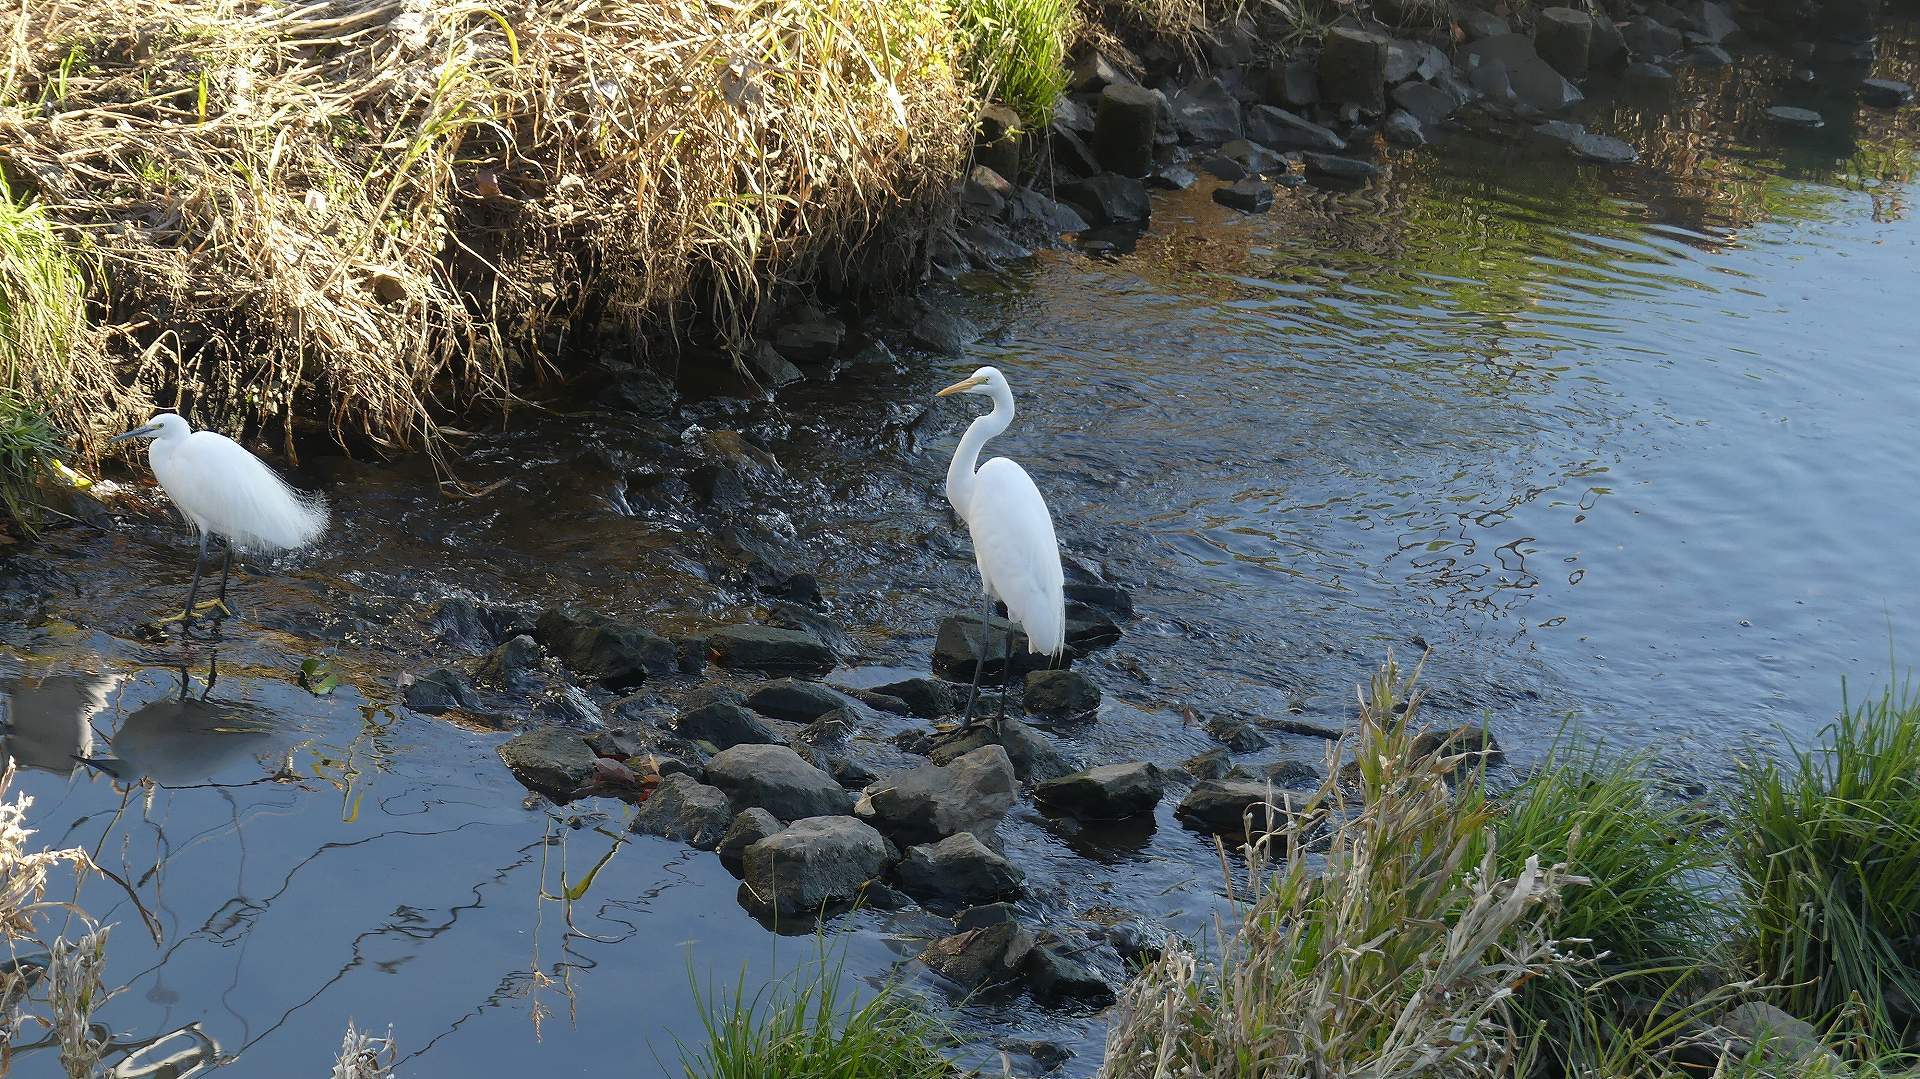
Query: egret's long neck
(967, 456)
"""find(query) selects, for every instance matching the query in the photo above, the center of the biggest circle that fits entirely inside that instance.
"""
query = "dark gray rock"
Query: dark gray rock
(1104, 595)
(1710, 20)
(769, 649)
(1034, 757)
(1564, 38)
(958, 871)
(469, 627)
(1708, 56)
(1340, 168)
(1070, 151)
(1074, 114)
(1224, 806)
(718, 484)
(1109, 198)
(929, 804)
(1585, 145)
(1413, 59)
(794, 700)
(1067, 693)
(778, 780)
(1294, 84)
(991, 245)
(618, 656)
(1241, 158)
(554, 761)
(1606, 49)
(1283, 130)
(747, 828)
(979, 957)
(1093, 73)
(1775, 1042)
(1427, 103)
(723, 726)
(1646, 76)
(963, 637)
(1402, 128)
(1353, 68)
(942, 331)
(1042, 212)
(1206, 113)
(814, 864)
(1171, 177)
(1474, 745)
(440, 689)
(1885, 93)
(567, 706)
(1236, 734)
(983, 193)
(984, 915)
(769, 368)
(1293, 775)
(929, 698)
(1109, 792)
(1479, 24)
(1053, 976)
(1651, 39)
(1790, 116)
(998, 144)
(512, 665)
(1213, 764)
(813, 341)
(1123, 130)
(1534, 81)
(1136, 943)
(1491, 82)
(683, 809)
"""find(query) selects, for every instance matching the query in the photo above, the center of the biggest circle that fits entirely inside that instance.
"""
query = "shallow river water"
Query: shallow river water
(1632, 448)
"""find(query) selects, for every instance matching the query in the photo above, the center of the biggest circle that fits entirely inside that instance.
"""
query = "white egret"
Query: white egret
(1012, 532)
(226, 491)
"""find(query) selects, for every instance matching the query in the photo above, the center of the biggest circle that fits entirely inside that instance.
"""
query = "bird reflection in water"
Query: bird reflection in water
(186, 739)
(47, 723)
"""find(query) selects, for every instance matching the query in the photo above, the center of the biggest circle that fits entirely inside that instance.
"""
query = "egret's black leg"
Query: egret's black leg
(1006, 684)
(226, 567)
(979, 663)
(193, 590)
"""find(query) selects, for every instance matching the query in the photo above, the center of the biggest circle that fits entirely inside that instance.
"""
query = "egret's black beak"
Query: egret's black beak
(143, 429)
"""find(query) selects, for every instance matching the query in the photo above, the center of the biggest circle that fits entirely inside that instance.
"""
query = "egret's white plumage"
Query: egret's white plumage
(1013, 540)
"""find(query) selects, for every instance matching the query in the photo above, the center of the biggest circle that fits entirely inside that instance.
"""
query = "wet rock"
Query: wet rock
(776, 779)
(685, 810)
(1036, 1057)
(794, 700)
(1491, 81)
(979, 957)
(1206, 113)
(1123, 130)
(1240, 159)
(1709, 56)
(985, 914)
(880, 702)
(1563, 37)
(998, 145)
(1402, 128)
(769, 649)
(1885, 93)
(1283, 130)
(1213, 764)
(957, 871)
(1033, 756)
(747, 828)
(1710, 20)
(1136, 943)
(1063, 693)
(1171, 177)
(723, 726)
(1101, 595)
(1073, 114)
(1224, 806)
(929, 804)
(440, 689)
(618, 656)
(1585, 145)
(569, 706)
(814, 864)
(1474, 745)
(1109, 792)
(1645, 76)
(929, 698)
(1093, 73)
(965, 637)
(771, 369)
(621, 743)
(1088, 630)
(1294, 84)
(1534, 81)
(1651, 39)
(1479, 24)
(1340, 168)
(718, 485)
(469, 627)
(1053, 976)
(813, 341)
(940, 331)
(1606, 49)
(990, 245)
(1070, 151)
(1108, 198)
(1042, 212)
(1425, 102)
(1784, 1044)
(1790, 116)
(554, 761)
(1353, 68)
(1236, 734)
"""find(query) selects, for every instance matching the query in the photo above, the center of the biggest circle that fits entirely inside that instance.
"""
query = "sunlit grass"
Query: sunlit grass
(1017, 50)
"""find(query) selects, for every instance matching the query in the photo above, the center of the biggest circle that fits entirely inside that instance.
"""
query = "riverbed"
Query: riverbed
(1628, 448)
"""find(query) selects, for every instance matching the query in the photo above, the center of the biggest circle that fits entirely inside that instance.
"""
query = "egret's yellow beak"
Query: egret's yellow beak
(961, 386)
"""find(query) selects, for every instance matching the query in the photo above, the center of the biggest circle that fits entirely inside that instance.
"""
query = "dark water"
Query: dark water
(1632, 447)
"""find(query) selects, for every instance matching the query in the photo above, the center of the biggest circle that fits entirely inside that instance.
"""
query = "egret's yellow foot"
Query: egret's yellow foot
(206, 607)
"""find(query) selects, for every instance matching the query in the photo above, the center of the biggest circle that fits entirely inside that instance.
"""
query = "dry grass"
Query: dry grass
(380, 209)
(73, 971)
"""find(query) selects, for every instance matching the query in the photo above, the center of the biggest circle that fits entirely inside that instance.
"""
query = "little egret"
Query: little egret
(226, 491)
(1012, 534)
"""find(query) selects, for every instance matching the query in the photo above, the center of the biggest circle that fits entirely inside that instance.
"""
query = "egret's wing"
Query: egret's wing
(217, 483)
(1019, 557)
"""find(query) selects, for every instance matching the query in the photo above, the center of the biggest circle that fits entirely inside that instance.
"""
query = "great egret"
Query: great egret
(1012, 534)
(226, 491)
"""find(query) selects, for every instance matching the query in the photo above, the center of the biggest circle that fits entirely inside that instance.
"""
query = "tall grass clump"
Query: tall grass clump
(808, 1028)
(1379, 939)
(1644, 916)
(1827, 853)
(1017, 51)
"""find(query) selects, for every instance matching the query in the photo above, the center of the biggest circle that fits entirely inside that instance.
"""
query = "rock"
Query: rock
(1791, 1046)
(1223, 806)
(1213, 764)
(983, 193)
(1885, 93)
(1425, 102)
(1123, 130)
(1479, 24)
(958, 871)
(1643, 75)
(1103, 595)
(723, 726)
(1585, 145)
(686, 810)
(1353, 68)
(1093, 73)
(1073, 114)
(1283, 130)
(1294, 84)
(1402, 128)
(1034, 758)
(778, 780)
(998, 144)
(1065, 693)
(554, 761)
(978, 957)
(1088, 630)
(1206, 113)
(440, 689)
(1249, 159)
(1606, 49)
(1789, 116)
(770, 649)
(1054, 976)
(1109, 792)
(769, 368)
(1035, 1057)
(1651, 39)
(929, 804)
(718, 484)
(1563, 37)
(1710, 20)
(1709, 56)
(568, 706)
(813, 864)
(471, 628)
(1172, 177)
(1340, 168)
(1135, 943)
(813, 341)
(1490, 80)
(1071, 152)
(940, 331)
(512, 665)
(618, 656)
(962, 639)
(1045, 213)
(1534, 81)
(929, 698)
(1236, 734)
(986, 914)
(990, 245)
(1475, 745)
(1108, 198)
(746, 829)
(794, 701)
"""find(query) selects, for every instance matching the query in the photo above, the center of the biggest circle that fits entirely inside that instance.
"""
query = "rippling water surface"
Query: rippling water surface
(1633, 447)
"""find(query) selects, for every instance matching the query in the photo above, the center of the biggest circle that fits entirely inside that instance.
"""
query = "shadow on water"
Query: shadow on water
(1625, 444)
